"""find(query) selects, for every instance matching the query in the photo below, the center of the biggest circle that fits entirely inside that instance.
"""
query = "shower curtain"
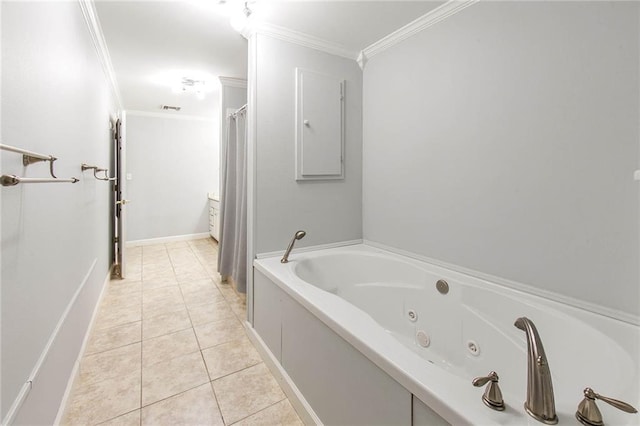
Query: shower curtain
(232, 254)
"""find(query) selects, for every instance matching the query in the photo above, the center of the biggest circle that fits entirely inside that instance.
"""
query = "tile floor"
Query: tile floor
(168, 348)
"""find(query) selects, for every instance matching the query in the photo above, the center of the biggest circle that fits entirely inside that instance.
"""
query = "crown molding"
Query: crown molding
(305, 40)
(425, 21)
(97, 37)
(173, 116)
(233, 82)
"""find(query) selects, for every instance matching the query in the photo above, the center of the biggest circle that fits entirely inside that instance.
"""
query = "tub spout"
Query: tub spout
(298, 236)
(540, 403)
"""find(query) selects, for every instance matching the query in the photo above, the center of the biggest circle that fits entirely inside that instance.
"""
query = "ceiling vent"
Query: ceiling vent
(168, 107)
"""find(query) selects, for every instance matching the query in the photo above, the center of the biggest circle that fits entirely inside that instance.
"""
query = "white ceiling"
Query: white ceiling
(147, 39)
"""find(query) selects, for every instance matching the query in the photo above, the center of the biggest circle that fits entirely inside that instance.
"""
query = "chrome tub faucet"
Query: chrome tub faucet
(297, 236)
(540, 402)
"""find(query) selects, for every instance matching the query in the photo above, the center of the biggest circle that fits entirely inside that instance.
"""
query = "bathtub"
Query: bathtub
(433, 343)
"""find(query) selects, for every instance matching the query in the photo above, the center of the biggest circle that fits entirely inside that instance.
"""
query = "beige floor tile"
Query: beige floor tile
(112, 316)
(103, 400)
(197, 285)
(156, 309)
(218, 332)
(166, 323)
(121, 298)
(202, 296)
(246, 392)
(240, 309)
(169, 280)
(177, 244)
(194, 407)
(129, 419)
(281, 414)
(132, 276)
(114, 337)
(169, 346)
(168, 378)
(230, 357)
(188, 274)
(202, 314)
(155, 248)
(170, 294)
(157, 273)
(154, 258)
(123, 287)
(108, 364)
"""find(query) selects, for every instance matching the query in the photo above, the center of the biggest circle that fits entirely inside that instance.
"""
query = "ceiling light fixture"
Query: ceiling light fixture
(190, 85)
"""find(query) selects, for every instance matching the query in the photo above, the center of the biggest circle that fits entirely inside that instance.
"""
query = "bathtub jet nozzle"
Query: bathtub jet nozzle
(297, 236)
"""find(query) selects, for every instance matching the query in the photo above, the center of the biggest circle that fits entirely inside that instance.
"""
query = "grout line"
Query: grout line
(215, 396)
(238, 371)
(259, 411)
(174, 395)
(118, 416)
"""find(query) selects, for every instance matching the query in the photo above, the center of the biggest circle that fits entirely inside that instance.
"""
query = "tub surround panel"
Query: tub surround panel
(267, 315)
(425, 416)
(340, 383)
(330, 211)
(508, 146)
(56, 100)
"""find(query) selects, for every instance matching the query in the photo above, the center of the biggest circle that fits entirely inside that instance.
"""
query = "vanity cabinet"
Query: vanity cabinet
(214, 218)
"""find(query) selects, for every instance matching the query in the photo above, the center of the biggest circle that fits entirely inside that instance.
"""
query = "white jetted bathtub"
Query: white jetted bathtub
(433, 344)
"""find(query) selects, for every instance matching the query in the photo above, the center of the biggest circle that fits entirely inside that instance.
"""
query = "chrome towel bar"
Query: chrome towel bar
(30, 157)
(12, 180)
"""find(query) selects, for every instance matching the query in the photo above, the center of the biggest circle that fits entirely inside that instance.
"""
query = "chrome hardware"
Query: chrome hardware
(123, 202)
(492, 396)
(588, 413)
(413, 316)
(12, 180)
(540, 403)
(29, 157)
(297, 236)
(442, 286)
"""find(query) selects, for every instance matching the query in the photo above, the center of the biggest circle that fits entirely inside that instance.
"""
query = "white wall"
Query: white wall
(173, 164)
(504, 139)
(330, 211)
(55, 237)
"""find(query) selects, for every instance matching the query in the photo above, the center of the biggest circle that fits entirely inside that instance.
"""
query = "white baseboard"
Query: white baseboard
(299, 403)
(83, 348)
(163, 240)
(44, 382)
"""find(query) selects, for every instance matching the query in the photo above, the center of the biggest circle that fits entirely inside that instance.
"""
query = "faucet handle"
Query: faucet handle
(492, 396)
(588, 412)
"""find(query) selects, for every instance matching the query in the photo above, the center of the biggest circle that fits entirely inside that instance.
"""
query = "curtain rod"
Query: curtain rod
(239, 110)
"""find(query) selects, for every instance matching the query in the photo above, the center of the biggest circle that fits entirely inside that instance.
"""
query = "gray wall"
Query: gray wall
(55, 237)
(329, 211)
(173, 164)
(504, 139)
